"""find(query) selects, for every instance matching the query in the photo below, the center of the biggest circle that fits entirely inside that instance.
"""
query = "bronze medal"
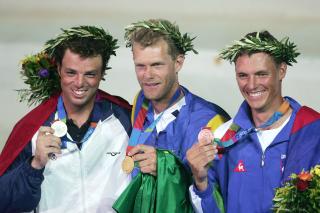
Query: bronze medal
(205, 135)
(127, 164)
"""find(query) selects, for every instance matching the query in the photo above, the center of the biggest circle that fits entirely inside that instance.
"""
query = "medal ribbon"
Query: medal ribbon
(233, 134)
(140, 136)
(62, 115)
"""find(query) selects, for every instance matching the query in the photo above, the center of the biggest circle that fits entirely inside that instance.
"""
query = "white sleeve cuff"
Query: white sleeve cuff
(195, 200)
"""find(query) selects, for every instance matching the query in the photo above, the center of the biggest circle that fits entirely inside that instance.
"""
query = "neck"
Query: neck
(259, 118)
(79, 115)
(160, 106)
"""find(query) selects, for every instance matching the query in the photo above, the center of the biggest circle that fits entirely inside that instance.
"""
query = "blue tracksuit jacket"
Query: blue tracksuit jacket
(252, 188)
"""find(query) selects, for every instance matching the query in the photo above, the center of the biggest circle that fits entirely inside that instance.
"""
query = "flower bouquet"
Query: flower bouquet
(300, 194)
(40, 73)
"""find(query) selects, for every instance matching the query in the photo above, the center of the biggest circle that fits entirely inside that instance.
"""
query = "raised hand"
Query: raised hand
(200, 156)
(46, 143)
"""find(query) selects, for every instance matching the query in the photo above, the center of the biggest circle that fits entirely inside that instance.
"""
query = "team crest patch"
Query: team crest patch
(240, 167)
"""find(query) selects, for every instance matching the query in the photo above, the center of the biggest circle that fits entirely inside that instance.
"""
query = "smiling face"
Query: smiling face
(157, 72)
(80, 78)
(259, 80)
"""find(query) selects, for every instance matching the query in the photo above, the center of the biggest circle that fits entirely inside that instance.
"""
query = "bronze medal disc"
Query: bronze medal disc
(127, 164)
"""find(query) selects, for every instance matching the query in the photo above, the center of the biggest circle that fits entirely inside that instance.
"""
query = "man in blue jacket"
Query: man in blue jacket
(66, 154)
(166, 115)
(269, 138)
(173, 114)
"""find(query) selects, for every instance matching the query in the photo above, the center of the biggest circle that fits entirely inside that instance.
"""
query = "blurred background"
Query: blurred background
(26, 25)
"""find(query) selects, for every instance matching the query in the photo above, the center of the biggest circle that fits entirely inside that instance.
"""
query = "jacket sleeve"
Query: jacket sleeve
(209, 200)
(20, 185)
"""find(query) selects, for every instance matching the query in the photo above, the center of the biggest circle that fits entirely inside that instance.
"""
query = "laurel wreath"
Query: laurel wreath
(182, 42)
(283, 50)
(39, 71)
(82, 32)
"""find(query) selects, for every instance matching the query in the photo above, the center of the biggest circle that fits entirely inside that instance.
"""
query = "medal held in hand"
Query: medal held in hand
(205, 135)
(60, 130)
(127, 164)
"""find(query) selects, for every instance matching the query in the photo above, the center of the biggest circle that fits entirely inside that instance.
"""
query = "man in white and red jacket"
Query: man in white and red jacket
(79, 171)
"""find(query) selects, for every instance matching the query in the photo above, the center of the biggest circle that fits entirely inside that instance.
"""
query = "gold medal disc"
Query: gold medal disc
(127, 164)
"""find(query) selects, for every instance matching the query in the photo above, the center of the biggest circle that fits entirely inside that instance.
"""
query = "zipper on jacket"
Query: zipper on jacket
(262, 159)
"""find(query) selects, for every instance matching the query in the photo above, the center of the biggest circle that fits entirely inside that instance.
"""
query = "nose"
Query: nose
(79, 80)
(251, 82)
(148, 72)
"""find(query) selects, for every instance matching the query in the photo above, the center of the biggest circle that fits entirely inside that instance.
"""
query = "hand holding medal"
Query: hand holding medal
(47, 144)
(60, 130)
(205, 135)
(200, 157)
(144, 156)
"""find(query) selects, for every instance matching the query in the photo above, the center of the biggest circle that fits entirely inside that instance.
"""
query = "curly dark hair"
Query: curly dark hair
(87, 41)
(85, 47)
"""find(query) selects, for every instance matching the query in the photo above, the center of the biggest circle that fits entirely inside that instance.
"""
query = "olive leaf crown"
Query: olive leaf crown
(182, 42)
(39, 71)
(80, 32)
(281, 51)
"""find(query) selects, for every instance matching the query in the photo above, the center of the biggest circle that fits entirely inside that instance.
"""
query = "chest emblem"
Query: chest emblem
(240, 167)
(113, 153)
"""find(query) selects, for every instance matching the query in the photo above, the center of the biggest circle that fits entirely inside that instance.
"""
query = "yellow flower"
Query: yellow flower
(316, 171)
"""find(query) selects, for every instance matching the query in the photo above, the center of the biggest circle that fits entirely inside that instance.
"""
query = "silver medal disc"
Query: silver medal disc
(60, 128)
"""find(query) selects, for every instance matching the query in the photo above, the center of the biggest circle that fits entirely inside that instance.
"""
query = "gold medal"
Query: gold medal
(127, 164)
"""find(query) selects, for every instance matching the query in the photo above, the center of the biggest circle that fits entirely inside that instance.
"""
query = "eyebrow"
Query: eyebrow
(262, 71)
(157, 63)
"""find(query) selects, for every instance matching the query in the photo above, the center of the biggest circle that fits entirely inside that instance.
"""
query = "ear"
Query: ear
(282, 70)
(179, 62)
(59, 69)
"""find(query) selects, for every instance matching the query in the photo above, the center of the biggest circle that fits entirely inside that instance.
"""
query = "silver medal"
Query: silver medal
(60, 128)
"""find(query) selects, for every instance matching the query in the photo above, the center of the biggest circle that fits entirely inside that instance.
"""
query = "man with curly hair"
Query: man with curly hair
(166, 116)
(66, 154)
(270, 137)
